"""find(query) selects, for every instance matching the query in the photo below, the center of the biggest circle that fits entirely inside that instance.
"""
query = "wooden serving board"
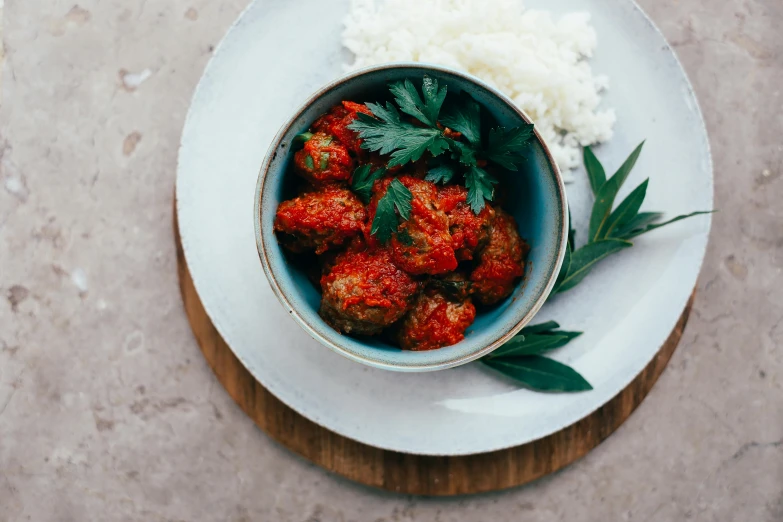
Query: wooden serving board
(401, 472)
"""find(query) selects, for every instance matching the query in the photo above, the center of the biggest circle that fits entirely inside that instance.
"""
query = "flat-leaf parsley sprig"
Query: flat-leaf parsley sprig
(432, 130)
(398, 197)
(363, 180)
(610, 231)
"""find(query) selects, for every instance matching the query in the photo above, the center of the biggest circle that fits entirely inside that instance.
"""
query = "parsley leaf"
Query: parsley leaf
(405, 141)
(465, 118)
(441, 174)
(480, 187)
(504, 145)
(362, 181)
(386, 220)
(409, 101)
(414, 144)
(463, 153)
(388, 113)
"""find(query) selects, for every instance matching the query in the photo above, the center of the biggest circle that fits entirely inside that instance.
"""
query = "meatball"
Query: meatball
(436, 320)
(364, 291)
(323, 160)
(422, 244)
(336, 121)
(500, 263)
(320, 220)
(469, 232)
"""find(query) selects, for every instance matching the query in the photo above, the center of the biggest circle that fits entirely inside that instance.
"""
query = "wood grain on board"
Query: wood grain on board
(401, 472)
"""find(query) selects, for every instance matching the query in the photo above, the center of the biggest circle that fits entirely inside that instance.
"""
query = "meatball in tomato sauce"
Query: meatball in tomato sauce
(336, 121)
(422, 244)
(501, 263)
(469, 232)
(323, 160)
(436, 320)
(364, 291)
(320, 219)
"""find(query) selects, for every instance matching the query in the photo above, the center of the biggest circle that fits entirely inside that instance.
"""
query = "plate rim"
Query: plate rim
(317, 418)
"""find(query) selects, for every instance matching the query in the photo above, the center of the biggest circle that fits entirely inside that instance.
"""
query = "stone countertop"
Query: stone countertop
(109, 412)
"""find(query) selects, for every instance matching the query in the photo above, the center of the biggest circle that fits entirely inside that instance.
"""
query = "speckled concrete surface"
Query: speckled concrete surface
(108, 411)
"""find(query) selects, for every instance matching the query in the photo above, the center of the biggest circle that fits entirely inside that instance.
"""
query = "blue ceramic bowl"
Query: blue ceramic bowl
(535, 196)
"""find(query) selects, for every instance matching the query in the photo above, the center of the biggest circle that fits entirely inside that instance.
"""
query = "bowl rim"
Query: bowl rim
(424, 366)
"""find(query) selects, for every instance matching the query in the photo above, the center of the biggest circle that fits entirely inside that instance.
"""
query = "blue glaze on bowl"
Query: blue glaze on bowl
(535, 196)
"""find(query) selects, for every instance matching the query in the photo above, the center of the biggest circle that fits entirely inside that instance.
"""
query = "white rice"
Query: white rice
(539, 62)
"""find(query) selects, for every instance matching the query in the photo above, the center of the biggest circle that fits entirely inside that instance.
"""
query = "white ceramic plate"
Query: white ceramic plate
(277, 54)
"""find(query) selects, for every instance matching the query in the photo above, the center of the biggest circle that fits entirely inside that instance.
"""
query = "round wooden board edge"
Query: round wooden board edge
(402, 472)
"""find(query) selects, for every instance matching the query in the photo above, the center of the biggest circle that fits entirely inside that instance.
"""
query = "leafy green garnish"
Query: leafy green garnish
(595, 171)
(541, 373)
(480, 185)
(397, 199)
(404, 141)
(652, 226)
(462, 153)
(639, 221)
(362, 181)
(610, 230)
(583, 259)
(407, 98)
(441, 174)
(626, 210)
(504, 145)
(308, 161)
(520, 358)
(533, 344)
(388, 133)
(604, 199)
(465, 118)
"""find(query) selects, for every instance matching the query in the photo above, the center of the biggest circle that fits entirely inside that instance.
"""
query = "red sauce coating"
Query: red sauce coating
(422, 244)
(435, 321)
(336, 121)
(469, 232)
(323, 160)
(321, 219)
(364, 291)
(501, 262)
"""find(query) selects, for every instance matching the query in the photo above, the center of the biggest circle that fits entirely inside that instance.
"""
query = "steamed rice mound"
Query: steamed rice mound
(538, 61)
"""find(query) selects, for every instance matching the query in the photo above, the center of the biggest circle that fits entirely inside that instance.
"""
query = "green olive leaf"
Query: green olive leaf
(583, 259)
(595, 171)
(648, 228)
(625, 211)
(604, 200)
(540, 373)
(641, 220)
